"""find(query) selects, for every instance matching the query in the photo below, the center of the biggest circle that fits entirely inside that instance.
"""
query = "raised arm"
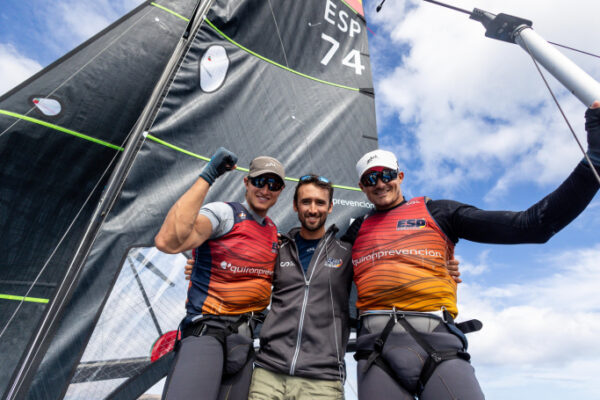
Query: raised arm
(539, 222)
(183, 228)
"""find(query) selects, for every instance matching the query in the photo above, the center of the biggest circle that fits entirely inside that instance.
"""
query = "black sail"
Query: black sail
(282, 78)
(51, 178)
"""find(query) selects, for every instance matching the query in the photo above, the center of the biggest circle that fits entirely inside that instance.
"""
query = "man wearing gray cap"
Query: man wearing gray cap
(235, 247)
(408, 344)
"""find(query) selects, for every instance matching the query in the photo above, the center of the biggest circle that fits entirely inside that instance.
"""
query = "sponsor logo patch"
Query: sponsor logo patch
(244, 269)
(411, 224)
(333, 263)
(285, 264)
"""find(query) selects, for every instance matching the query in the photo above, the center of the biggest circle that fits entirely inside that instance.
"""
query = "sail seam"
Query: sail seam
(276, 63)
(61, 129)
(24, 298)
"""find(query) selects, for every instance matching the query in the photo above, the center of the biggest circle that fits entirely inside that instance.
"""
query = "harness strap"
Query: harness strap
(374, 357)
(435, 357)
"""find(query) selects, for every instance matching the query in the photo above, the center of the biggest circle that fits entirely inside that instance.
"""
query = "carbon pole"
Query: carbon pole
(25, 372)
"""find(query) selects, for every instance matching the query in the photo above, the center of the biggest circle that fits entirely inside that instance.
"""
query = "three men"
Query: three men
(235, 249)
(408, 343)
(304, 337)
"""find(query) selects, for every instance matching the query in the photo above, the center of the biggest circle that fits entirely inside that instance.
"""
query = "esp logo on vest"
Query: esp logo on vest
(410, 224)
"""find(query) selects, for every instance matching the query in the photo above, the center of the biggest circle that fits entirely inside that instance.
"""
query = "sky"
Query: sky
(471, 120)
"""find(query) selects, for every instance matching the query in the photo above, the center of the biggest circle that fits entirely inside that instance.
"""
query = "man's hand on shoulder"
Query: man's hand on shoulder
(189, 266)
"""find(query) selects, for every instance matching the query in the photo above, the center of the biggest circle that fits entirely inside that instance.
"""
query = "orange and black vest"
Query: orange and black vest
(399, 260)
(232, 274)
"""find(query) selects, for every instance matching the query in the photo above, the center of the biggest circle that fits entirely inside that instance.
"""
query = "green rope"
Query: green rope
(60, 129)
(170, 11)
(277, 64)
(258, 55)
(21, 298)
(189, 153)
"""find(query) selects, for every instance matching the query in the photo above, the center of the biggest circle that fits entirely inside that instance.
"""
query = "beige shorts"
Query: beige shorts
(267, 385)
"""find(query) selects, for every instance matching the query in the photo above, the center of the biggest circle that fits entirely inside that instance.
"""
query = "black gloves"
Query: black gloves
(222, 161)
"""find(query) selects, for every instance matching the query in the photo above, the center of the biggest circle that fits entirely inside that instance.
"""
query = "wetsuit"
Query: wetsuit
(417, 263)
(232, 277)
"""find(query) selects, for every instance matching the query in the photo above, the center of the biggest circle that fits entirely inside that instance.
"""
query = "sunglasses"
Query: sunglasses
(274, 184)
(314, 178)
(370, 179)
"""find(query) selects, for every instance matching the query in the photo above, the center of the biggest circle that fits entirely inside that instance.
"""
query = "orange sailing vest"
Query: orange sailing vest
(233, 274)
(399, 259)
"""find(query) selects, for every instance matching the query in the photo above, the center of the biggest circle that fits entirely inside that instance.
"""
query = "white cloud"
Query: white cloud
(479, 267)
(476, 107)
(542, 330)
(14, 67)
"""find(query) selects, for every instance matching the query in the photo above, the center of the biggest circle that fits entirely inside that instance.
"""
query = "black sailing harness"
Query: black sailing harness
(236, 348)
(435, 356)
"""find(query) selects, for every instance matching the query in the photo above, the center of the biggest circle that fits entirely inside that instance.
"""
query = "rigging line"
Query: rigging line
(462, 10)
(189, 153)
(279, 35)
(275, 63)
(83, 66)
(294, 102)
(591, 165)
(43, 269)
(60, 129)
(23, 298)
(574, 49)
(145, 296)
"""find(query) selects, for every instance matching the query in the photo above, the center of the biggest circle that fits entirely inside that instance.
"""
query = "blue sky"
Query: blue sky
(469, 119)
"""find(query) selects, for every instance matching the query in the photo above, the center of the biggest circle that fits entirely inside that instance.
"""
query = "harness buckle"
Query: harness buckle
(436, 357)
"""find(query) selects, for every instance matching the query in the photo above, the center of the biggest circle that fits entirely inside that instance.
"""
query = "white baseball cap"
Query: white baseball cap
(376, 158)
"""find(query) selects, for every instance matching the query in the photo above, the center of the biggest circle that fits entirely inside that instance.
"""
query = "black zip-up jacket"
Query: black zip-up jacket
(306, 331)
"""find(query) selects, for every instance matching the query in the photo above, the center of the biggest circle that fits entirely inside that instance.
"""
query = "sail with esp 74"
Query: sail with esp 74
(287, 79)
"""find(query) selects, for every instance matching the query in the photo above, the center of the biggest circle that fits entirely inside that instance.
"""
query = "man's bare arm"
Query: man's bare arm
(183, 228)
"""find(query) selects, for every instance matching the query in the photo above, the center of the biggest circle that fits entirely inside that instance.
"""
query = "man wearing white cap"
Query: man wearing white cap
(408, 344)
(235, 247)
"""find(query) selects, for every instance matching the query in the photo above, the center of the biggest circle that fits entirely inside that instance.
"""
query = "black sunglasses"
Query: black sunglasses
(370, 179)
(274, 184)
(314, 178)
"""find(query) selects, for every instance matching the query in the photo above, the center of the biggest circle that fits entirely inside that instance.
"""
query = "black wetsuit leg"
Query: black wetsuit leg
(237, 386)
(377, 384)
(196, 371)
(453, 379)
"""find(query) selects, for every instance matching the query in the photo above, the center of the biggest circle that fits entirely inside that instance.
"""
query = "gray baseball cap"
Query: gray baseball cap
(266, 165)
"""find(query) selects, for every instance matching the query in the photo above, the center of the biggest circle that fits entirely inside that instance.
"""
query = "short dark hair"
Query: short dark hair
(320, 181)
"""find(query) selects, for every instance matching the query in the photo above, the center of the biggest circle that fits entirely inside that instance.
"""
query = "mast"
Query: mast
(517, 30)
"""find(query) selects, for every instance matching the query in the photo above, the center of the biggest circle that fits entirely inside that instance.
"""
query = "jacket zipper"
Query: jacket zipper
(304, 302)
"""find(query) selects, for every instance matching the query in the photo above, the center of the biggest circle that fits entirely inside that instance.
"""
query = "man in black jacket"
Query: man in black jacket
(304, 337)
